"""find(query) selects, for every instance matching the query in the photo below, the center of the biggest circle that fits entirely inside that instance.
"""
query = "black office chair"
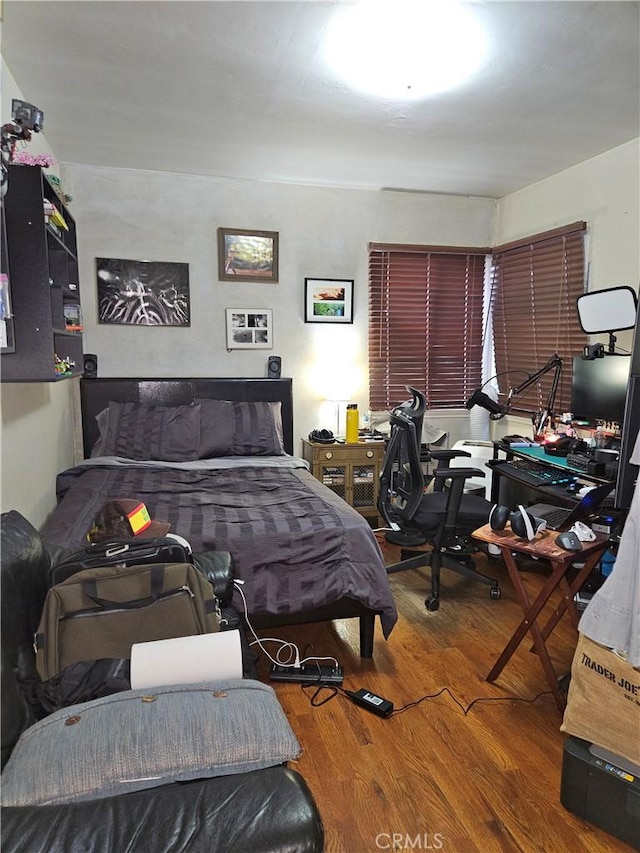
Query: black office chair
(444, 517)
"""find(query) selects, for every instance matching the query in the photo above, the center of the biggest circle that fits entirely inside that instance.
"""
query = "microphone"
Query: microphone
(479, 398)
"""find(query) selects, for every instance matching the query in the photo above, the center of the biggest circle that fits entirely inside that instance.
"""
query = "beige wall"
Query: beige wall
(323, 233)
(136, 214)
(604, 192)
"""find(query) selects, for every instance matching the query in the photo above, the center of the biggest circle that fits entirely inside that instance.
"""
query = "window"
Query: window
(425, 323)
(534, 287)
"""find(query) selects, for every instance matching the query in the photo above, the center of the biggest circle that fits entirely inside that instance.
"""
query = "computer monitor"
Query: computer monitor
(599, 388)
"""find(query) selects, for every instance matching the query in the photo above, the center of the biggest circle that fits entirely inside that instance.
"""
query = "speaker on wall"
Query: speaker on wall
(90, 365)
(274, 367)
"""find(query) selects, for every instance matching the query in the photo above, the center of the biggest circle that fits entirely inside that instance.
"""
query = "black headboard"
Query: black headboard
(95, 395)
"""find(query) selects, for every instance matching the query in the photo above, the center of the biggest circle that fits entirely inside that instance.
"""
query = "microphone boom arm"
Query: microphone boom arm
(554, 363)
(479, 398)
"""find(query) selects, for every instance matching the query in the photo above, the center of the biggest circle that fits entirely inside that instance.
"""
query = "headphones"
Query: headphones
(523, 524)
(322, 436)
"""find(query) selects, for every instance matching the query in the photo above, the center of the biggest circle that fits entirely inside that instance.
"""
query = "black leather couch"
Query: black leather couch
(264, 810)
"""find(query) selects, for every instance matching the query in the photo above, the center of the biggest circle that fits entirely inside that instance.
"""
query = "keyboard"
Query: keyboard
(535, 474)
(555, 518)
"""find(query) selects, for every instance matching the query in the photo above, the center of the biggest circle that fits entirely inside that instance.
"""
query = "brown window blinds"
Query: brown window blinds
(534, 286)
(425, 324)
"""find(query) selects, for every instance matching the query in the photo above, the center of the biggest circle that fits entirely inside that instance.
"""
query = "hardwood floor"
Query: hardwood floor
(431, 777)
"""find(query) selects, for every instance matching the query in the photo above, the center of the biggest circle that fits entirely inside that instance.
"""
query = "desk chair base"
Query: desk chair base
(405, 538)
(456, 561)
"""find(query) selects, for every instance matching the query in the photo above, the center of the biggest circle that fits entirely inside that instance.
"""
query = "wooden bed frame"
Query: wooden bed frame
(95, 395)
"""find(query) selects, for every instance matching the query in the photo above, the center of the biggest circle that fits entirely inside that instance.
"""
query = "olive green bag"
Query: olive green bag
(101, 613)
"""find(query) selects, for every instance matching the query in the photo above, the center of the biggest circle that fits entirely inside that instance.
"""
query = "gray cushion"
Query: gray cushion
(141, 431)
(130, 741)
(229, 428)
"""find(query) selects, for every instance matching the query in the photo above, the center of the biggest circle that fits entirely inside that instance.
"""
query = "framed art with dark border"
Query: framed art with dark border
(143, 293)
(247, 255)
(249, 328)
(328, 300)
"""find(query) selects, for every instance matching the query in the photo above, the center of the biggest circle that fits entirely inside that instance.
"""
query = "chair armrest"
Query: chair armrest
(217, 567)
(446, 455)
(457, 473)
(58, 553)
(458, 477)
(270, 810)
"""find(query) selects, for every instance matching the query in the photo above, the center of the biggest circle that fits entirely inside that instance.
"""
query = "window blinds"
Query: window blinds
(425, 323)
(534, 287)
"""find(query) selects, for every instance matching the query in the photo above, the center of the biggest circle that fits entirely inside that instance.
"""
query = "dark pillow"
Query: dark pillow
(141, 431)
(229, 428)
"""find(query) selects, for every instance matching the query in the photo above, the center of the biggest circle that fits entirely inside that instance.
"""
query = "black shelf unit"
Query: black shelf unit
(7, 337)
(43, 262)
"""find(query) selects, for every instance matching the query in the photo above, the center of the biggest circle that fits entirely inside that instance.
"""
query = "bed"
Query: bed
(215, 458)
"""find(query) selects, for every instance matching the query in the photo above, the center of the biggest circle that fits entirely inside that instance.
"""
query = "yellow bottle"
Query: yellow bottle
(352, 423)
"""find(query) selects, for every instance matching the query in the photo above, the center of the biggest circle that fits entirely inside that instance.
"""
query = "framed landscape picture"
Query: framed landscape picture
(249, 328)
(328, 300)
(247, 255)
(143, 293)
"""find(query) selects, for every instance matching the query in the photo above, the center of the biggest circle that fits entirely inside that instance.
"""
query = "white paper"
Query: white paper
(186, 660)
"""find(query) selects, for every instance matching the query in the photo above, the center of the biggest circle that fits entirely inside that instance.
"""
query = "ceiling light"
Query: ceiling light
(405, 49)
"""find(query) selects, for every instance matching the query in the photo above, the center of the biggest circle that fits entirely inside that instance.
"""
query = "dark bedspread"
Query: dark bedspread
(295, 544)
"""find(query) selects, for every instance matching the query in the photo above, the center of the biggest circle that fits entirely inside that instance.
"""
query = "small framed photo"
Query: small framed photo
(247, 255)
(249, 328)
(328, 300)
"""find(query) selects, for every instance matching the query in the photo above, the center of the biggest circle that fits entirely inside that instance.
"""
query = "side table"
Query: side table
(542, 547)
(352, 471)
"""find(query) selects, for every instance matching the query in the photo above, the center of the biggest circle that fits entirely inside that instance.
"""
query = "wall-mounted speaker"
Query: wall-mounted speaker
(274, 367)
(90, 365)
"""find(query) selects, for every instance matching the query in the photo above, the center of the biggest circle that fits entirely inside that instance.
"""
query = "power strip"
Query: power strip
(308, 673)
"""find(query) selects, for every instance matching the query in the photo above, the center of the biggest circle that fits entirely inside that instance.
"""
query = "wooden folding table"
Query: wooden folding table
(542, 547)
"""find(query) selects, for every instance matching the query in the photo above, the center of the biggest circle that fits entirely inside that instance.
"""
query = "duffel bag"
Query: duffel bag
(101, 613)
(122, 552)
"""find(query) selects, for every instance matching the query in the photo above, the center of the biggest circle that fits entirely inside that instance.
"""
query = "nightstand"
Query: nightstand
(352, 471)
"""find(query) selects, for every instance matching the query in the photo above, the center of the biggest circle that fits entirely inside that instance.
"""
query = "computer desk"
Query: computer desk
(542, 547)
(551, 475)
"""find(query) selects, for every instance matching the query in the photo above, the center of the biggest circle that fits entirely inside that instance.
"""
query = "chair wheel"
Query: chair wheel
(495, 593)
(432, 603)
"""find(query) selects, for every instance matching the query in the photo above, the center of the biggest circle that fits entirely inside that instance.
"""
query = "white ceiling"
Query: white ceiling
(240, 89)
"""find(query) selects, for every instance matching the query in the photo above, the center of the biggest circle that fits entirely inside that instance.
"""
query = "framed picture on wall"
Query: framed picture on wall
(245, 255)
(249, 328)
(328, 300)
(143, 293)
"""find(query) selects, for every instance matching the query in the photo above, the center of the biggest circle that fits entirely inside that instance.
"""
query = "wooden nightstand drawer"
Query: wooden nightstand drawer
(345, 452)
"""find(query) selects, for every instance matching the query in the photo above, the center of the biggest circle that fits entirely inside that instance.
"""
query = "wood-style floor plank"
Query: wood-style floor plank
(431, 777)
